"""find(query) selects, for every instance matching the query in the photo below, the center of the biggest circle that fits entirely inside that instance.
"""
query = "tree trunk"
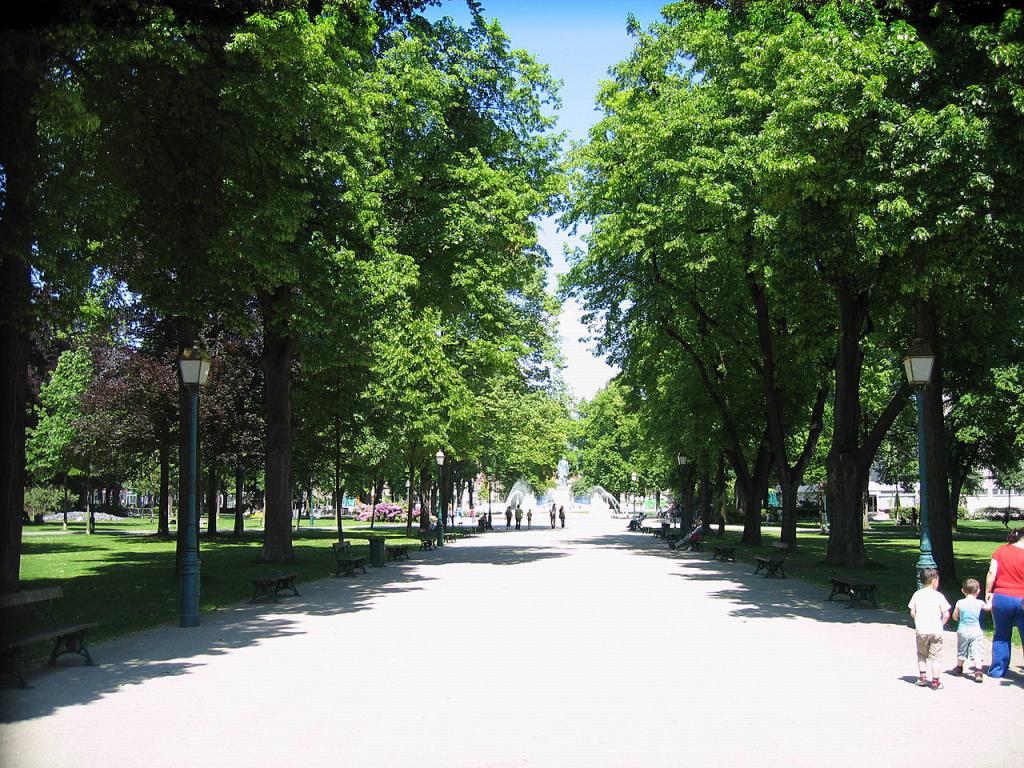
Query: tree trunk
(790, 476)
(212, 500)
(940, 515)
(959, 469)
(750, 502)
(720, 487)
(90, 519)
(844, 493)
(239, 528)
(751, 488)
(426, 491)
(789, 492)
(163, 527)
(21, 72)
(850, 456)
(278, 355)
(377, 489)
(705, 499)
(339, 497)
(846, 478)
(689, 475)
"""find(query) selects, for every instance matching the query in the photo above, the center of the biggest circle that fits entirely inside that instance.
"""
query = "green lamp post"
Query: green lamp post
(918, 363)
(194, 367)
(438, 510)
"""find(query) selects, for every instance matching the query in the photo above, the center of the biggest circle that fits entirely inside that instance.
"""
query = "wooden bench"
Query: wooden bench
(397, 552)
(428, 542)
(855, 590)
(450, 538)
(346, 561)
(29, 618)
(269, 587)
(724, 553)
(773, 564)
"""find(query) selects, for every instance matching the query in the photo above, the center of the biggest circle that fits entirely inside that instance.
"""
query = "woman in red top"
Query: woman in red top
(1004, 589)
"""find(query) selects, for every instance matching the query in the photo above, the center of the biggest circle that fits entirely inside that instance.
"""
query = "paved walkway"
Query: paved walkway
(587, 646)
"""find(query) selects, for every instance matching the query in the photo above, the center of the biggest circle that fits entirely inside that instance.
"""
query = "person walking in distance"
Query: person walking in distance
(561, 515)
(552, 515)
(508, 518)
(529, 520)
(519, 517)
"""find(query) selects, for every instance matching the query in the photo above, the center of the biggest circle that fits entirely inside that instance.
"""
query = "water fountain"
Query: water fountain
(520, 494)
(601, 499)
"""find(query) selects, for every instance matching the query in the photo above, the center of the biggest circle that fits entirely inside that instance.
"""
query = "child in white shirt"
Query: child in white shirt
(930, 610)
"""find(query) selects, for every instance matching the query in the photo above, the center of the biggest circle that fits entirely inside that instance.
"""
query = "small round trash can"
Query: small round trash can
(377, 552)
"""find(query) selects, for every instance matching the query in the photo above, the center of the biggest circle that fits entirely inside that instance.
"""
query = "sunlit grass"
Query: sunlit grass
(125, 579)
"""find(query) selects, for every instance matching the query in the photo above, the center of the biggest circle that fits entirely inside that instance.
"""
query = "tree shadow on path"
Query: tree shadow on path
(756, 596)
(168, 650)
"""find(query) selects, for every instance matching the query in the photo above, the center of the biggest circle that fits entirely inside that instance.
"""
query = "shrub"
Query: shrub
(996, 513)
(385, 512)
(42, 500)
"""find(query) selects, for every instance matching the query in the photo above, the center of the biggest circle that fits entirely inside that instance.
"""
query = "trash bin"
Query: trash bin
(377, 552)
(665, 528)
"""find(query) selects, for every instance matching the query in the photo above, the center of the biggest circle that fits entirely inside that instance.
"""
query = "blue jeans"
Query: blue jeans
(1006, 611)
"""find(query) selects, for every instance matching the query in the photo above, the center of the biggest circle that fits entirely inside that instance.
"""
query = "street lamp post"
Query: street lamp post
(682, 460)
(439, 458)
(194, 367)
(633, 475)
(918, 364)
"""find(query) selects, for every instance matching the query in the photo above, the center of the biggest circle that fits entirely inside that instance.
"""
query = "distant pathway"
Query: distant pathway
(586, 646)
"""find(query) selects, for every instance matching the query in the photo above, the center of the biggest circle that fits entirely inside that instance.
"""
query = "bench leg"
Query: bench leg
(74, 643)
(864, 595)
(263, 592)
(11, 664)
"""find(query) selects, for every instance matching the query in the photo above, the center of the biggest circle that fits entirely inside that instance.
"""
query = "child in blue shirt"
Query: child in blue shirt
(970, 637)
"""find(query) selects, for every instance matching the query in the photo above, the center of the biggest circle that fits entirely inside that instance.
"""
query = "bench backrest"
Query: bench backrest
(779, 551)
(14, 599)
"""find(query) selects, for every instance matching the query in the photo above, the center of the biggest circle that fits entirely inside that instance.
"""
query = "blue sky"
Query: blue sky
(579, 41)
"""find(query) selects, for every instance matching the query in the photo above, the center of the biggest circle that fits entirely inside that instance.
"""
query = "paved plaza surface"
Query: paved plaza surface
(587, 646)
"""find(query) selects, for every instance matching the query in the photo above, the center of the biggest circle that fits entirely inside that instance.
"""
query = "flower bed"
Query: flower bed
(385, 512)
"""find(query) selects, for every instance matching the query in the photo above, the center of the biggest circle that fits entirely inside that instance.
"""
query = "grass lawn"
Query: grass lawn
(893, 552)
(123, 575)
